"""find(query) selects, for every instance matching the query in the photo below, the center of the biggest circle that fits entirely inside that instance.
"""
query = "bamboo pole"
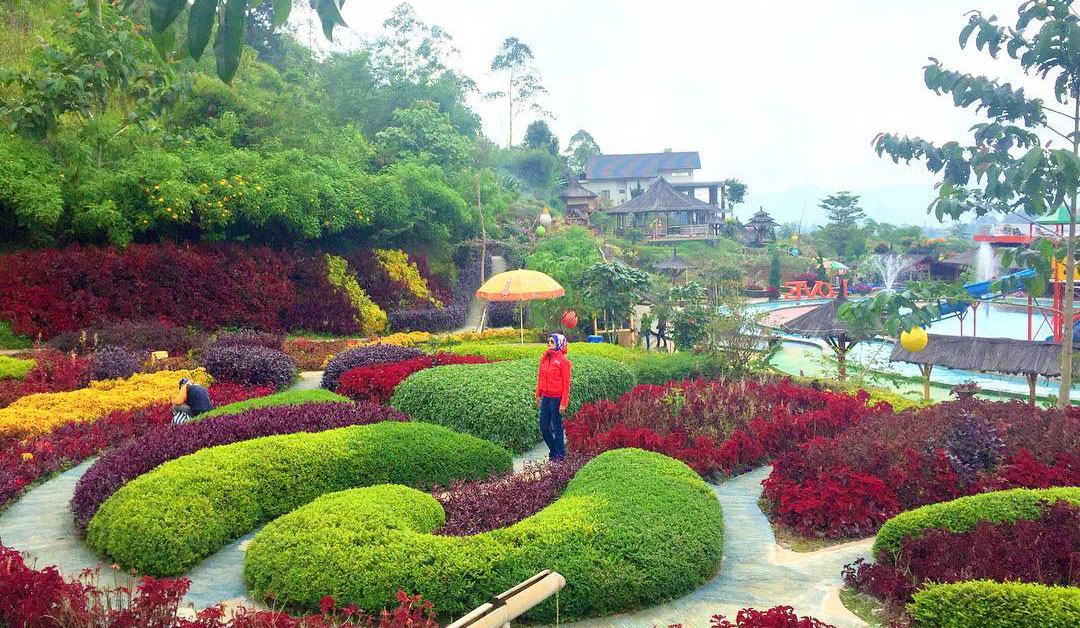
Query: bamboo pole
(511, 604)
(926, 368)
(1032, 378)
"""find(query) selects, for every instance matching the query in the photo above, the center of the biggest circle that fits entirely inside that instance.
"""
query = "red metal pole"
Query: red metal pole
(975, 320)
(1029, 318)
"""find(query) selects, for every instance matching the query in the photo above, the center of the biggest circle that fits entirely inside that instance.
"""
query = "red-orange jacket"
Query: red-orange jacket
(554, 377)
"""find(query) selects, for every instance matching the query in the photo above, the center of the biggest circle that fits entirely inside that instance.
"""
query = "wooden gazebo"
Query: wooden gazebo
(580, 203)
(675, 265)
(762, 224)
(664, 213)
(997, 355)
(822, 322)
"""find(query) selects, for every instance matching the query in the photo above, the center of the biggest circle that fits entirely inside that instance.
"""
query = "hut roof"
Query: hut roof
(576, 190)
(820, 322)
(661, 197)
(675, 263)
(639, 165)
(1000, 355)
(761, 219)
(1057, 217)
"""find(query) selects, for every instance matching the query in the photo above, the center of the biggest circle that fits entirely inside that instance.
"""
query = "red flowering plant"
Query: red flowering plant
(776, 617)
(848, 485)
(24, 462)
(377, 382)
(716, 427)
(31, 598)
(53, 371)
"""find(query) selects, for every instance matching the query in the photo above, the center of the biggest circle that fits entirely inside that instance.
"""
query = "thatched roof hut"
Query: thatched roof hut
(997, 355)
(822, 322)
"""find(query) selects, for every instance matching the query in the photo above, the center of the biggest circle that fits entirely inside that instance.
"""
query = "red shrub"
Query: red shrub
(776, 617)
(52, 372)
(1045, 550)
(715, 427)
(919, 457)
(30, 598)
(377, 382)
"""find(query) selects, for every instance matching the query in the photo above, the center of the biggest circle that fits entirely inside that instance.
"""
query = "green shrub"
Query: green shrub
(10, 340)
(165, 521)
(961, 515)
(497, 402)
(660, 368)
(286, 398)
(632, 529)
(14, 368)
(988, 604)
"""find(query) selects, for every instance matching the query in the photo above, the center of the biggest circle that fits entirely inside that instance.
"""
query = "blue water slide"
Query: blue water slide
(998, 287)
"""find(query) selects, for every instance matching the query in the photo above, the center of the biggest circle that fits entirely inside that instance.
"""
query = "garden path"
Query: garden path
(755, 571)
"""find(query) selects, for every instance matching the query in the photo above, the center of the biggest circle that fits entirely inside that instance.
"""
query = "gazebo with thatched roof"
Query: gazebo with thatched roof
(822, 322)
(663, 212)
(762, 224)
(997, 355)
(674, 265)
(580, 203)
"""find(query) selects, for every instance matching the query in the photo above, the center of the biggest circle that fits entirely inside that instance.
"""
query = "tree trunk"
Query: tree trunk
(1070, 252)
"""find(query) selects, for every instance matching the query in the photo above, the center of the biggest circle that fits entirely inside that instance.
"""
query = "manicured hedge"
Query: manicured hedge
(497, 402)
(986, 604)
(165, 521)
(364, 356)
(961, 515)
(253, 365)
(632, 529)
(286, 398)
(14, 368)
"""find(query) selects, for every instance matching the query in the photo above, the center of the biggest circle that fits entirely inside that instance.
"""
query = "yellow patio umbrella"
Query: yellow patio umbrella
(520, 285)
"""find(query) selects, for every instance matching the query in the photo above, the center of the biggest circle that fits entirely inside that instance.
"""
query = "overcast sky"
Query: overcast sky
(785, 95)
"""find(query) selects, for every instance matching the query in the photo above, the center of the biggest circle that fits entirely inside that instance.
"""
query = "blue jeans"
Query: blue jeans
(551, 427)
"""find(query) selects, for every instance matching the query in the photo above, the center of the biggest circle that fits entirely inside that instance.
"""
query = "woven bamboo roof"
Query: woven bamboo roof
(820, 322)
(576, 190)
(999, 355)
(675, 263)
(661, 197)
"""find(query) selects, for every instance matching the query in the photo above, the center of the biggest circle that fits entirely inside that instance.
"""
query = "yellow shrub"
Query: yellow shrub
(370, 317)
(399, 268)
(499, 333)
(40, 413)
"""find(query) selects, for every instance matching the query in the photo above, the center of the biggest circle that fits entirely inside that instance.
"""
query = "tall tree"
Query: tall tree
(578, 150)
(733, 193)
(523, 87)
(538, 135)
(1009, 164)
(843, 209)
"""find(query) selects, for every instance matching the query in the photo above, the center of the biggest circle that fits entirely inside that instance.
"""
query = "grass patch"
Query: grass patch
(287, 398)
(10, 340)
(14, 368)
(864, 607)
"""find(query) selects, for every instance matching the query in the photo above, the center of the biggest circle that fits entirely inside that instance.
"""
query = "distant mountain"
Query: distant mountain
(897, 204)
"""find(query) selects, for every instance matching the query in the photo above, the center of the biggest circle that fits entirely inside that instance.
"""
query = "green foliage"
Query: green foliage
(31, 197)
(988, 604)
(774, 268)
(615, 286)
(370, 317)
(659, 368)
(842, 235)
(538, 135)
(961, 515)
(286, 398)
(578, 150)
(165, 521)
(497, 402)
(632, 529)
(691, 322)
(564, 256)
(14, 368)
(523, 87)
(10, 340)
(424, 133)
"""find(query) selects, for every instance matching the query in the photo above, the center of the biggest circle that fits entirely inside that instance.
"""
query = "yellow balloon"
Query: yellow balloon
(914, 340)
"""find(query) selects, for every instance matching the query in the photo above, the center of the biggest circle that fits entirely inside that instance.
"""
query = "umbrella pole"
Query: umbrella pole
(521, 318)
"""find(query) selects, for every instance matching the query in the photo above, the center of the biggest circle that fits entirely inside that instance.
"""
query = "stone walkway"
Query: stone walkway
(755, 571)
(478, 306)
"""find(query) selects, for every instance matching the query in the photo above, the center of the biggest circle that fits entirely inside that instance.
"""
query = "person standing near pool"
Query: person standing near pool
(553, 394)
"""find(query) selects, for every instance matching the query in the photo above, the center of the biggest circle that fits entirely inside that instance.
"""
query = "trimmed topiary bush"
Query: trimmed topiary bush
(961, 515)
(632, 529)
(117, 466)
(112, 362)
(14, 368)
(986, 604)
(251, 365)
(286, 398)
(165, 521)
(364, 356)
(497, 402)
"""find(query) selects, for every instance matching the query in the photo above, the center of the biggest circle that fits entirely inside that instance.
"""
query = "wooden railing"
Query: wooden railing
(511, 604)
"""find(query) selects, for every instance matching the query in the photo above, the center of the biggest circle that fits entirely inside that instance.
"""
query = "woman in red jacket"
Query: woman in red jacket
(553, 393)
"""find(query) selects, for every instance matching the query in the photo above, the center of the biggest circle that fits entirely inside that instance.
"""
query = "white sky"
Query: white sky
(785, 95)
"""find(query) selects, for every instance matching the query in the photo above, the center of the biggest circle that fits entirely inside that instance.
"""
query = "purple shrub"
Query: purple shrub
(973, 444)
(148, 335)
(250, 365)
(249, 338)
(119, 466)
(112, 362)
(364, 356)
(483, 505)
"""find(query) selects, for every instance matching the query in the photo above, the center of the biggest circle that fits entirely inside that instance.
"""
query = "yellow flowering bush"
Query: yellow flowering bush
(40, 413)
(403, 339)
(399, 268)
(370, 317)
(498, 333)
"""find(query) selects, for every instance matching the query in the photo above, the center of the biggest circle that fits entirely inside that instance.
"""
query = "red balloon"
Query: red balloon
(569, 319)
